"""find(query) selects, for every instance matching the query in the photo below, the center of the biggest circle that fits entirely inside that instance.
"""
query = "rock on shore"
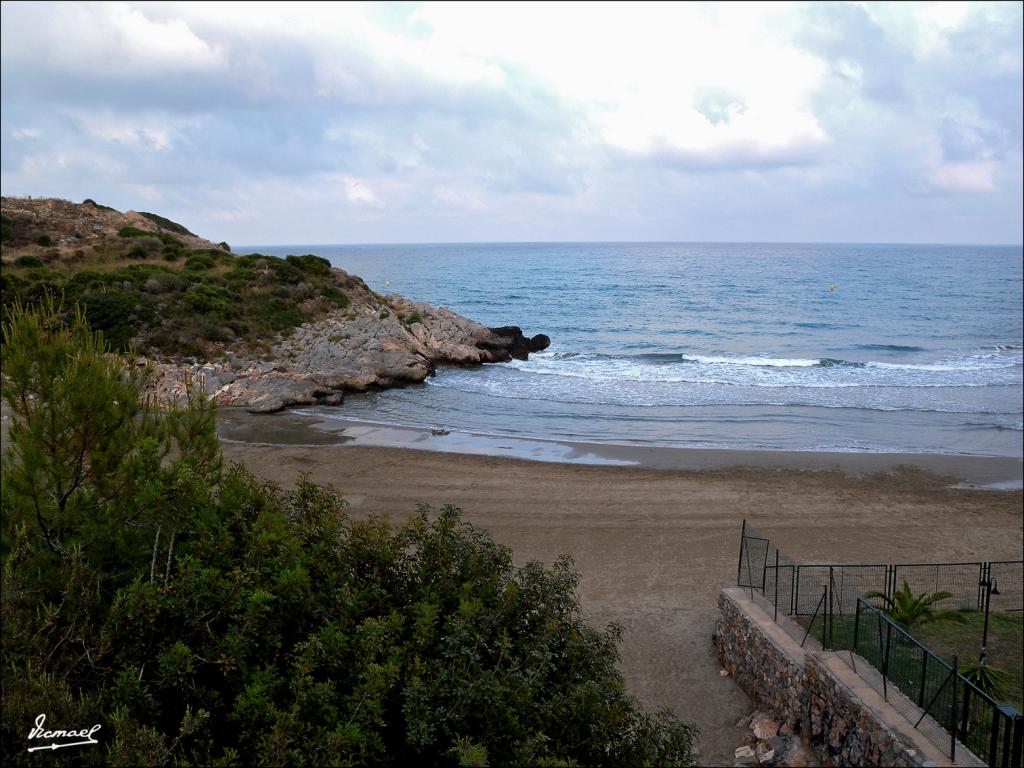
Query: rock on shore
(373, 342)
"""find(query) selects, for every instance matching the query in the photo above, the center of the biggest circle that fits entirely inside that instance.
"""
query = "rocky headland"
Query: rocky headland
(255, 331)
(386, 342)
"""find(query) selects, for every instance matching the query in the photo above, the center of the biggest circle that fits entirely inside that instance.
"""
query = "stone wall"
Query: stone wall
(761, 660)
(845, 721)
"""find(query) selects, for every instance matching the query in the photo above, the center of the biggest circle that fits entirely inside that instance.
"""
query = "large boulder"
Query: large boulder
(510, 339)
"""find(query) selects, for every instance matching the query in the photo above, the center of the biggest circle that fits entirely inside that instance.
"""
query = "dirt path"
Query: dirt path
(655, 546)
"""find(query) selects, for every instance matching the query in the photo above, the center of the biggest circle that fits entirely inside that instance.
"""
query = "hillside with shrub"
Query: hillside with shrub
(145, 279)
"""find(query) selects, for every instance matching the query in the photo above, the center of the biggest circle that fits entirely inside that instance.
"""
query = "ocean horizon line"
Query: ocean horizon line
(238, 248)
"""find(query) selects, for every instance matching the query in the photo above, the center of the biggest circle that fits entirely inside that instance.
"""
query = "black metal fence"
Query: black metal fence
(838, 605)
(935, 689)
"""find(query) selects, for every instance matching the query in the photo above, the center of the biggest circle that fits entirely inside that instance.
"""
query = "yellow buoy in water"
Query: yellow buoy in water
(831, 287)
(387, 282)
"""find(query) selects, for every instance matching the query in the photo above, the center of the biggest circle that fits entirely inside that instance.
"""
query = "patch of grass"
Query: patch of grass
(1005, 650)
(44, 240)
(384, 314)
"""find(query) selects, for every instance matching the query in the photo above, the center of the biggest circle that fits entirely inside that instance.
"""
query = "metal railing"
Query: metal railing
(936, 690)
(831, 603)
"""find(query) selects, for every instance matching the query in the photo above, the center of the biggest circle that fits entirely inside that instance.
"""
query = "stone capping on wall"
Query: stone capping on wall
(843, 718)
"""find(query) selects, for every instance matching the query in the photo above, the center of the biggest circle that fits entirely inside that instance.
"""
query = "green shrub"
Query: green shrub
(198, 263)
(312, 265)
(94, 204)
(133, 232)
(163, 237)
(28, 261)
(167, 224)
(118, 316)
(208, 299)
(278, 314)
(384, 314)
(909, 611)
(989, 679)
(44, 240)
(209, 617)
(285, 273)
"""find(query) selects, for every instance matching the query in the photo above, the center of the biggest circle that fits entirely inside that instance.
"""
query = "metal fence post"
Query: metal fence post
(966, 716)
(982, 568)
(796, 590)
(792, 586)
(993, 737)
(824, 619)
(885, 660)
(764, 568)
(775, 602)
(856, 625)
(739, 564)
(1017, 725)
(952, 710)
(924, 678)
(831, 608)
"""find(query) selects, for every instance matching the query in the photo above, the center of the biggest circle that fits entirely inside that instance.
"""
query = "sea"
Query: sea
(802, 346)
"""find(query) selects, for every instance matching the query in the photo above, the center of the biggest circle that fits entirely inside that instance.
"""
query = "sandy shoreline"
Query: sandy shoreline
(654, 545)
(296, 428)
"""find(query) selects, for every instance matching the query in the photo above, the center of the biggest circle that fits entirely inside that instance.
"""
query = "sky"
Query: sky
(406, 122)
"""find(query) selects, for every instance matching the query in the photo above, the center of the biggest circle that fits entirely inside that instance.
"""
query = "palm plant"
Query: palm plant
(909, 611)
(989, 680)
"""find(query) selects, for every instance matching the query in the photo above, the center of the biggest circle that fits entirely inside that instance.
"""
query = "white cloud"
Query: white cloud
(599, 120)
(25, 133)
(104, 38)
(968, 176)
(638, 71)
(459, 200)
(155, 132)
(147, 192)
(358, 192)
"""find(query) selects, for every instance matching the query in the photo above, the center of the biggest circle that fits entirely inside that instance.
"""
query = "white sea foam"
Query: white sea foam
(769, 362)
(977, 370)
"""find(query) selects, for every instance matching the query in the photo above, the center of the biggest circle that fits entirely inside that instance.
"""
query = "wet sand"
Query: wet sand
(655, 540)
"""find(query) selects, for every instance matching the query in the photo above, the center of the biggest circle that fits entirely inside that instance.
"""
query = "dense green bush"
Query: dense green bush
(163, 237)
(28, 261)
(199, 263)
(313, 265)
(94, 204)
(201, 616)
(116, 315)
(166, 223)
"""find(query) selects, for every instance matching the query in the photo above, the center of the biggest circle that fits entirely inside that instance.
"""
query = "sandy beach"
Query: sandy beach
(653, 543)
